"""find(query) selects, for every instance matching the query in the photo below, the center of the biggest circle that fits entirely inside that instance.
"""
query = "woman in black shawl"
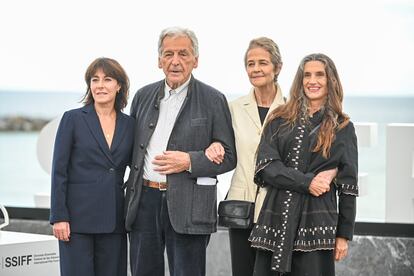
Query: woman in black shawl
(303, 227)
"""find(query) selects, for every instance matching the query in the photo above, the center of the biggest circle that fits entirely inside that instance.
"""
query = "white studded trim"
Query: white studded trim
(348, 189)
(294, 155)
(315, 238)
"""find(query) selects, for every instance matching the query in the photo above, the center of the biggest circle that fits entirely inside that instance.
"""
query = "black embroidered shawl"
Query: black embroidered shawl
(291, 218)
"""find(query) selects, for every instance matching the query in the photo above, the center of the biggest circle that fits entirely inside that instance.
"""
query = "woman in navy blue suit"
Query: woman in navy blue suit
(93, 146)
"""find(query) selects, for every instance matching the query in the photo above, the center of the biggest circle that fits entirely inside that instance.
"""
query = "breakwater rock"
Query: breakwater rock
(21, 123)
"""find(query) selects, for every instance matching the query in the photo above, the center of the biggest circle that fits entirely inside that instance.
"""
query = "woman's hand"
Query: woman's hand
(328, 175)
(215, 153)
(341, 248)
(321, 183)
(318, 186)
(61, 230)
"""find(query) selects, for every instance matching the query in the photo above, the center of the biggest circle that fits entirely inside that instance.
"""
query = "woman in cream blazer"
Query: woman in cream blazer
(263, 64)
(247, 130)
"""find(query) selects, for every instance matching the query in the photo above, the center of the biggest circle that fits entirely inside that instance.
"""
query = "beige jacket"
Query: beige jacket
(247, 131)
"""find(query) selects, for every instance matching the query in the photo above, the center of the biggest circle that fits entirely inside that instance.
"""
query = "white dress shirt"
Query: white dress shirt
(170, 105)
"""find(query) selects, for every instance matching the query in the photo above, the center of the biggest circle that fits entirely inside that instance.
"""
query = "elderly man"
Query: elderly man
(171, 190)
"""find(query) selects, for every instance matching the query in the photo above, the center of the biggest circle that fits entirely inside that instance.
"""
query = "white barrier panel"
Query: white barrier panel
(23, 254)
(367, 134)
(45, 144)
(399, 185)
(412, 169)
(42, 200)
(44, 150)
(362, 184)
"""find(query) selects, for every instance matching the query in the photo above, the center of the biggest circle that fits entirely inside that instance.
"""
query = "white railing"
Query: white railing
(5, 216)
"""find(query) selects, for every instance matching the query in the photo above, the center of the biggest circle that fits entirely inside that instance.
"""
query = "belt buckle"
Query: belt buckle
(160, 188)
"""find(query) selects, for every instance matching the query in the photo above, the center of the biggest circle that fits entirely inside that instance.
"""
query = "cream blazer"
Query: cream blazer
(247, 131)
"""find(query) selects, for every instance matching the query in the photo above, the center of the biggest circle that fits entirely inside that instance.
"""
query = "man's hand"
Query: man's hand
(321, 183)
(171, 162)
(215, 153)
(61, 230)
(341, 248)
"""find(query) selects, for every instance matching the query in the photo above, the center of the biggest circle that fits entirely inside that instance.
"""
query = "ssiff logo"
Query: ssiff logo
(13, 261)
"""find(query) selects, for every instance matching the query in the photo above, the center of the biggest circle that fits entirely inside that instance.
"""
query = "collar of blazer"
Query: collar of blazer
(250, 105)
(94, 126)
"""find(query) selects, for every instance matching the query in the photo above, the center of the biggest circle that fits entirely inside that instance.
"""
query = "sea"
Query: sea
(21, 176)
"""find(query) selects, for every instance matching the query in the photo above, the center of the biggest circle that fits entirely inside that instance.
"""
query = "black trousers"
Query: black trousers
(153, 234)
(242, 255)
(313, 263)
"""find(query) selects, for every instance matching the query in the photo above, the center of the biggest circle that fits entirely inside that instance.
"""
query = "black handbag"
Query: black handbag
(236, 213)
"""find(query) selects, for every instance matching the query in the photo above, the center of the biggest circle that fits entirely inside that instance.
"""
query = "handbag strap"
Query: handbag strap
(255, 198)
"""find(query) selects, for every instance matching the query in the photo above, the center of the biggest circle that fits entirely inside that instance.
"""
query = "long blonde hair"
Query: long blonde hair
(297, 105)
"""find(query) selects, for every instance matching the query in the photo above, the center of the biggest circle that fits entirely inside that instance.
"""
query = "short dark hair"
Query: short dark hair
(112, 69)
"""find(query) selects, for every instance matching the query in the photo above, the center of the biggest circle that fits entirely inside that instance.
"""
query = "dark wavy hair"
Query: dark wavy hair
(297, 105)
(113, 69)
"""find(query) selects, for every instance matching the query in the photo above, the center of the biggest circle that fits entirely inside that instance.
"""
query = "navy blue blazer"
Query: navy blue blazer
(87, 175)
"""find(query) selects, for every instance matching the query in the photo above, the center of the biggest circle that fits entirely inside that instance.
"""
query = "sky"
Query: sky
(46, 45)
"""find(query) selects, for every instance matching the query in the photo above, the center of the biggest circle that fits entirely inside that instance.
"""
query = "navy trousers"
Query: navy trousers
(152, 234)
(94, 255)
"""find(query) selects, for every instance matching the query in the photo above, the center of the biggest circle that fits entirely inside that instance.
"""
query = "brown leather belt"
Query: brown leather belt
(162, 186)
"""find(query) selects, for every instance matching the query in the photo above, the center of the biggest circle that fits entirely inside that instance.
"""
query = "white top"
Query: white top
(170, 105)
